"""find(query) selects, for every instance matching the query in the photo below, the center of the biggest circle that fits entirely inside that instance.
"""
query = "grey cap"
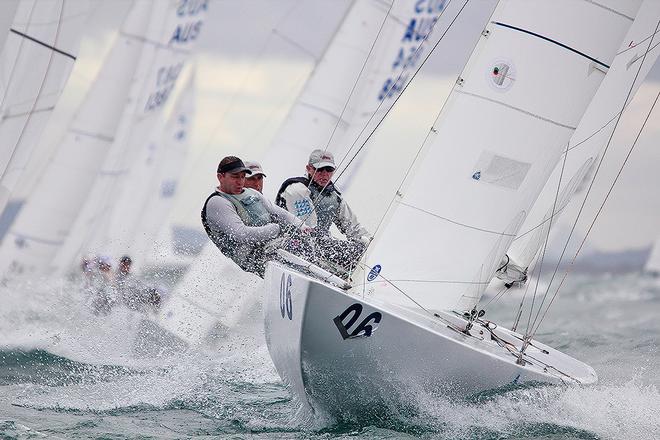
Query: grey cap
(320, 158)
(255, 167)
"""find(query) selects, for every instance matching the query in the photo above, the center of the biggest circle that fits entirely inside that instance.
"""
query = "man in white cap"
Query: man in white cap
(316, 200)
(256, 179)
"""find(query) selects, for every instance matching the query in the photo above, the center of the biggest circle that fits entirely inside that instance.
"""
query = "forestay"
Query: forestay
(36, 60)
(623, 79)
(353, 85)
(129, 71)
(500, 134)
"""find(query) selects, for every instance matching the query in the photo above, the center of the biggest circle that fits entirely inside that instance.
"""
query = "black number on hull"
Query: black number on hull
(286, 305)
(365, 328)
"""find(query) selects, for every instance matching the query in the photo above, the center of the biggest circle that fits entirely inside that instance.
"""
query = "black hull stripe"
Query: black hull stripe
(552, 41)
(66, 54)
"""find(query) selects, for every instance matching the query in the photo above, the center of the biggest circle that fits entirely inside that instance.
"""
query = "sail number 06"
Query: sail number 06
(286, 306)
(364, 328)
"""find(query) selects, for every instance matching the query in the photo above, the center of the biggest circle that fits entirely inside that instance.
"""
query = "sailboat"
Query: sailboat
(409, 319)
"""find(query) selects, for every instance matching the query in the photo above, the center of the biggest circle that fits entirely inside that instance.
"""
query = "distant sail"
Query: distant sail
(353, 85)
(494, 146)
(141, 69)
(37, 58)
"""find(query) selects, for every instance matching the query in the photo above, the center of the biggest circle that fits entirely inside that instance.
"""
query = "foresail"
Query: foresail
(517, 103)
(37, 58)
(635, 57)
(368, 62)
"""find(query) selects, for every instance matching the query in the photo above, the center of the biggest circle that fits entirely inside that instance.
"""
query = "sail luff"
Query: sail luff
(526, 86)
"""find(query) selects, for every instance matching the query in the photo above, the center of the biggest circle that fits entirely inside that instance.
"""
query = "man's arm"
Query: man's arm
(348, 224)
(222, 216)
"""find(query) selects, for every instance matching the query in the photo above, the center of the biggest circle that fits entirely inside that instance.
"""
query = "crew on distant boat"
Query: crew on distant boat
(104, 297)
(241, 222)
(316, 200)
(131, 291)
(256, 179)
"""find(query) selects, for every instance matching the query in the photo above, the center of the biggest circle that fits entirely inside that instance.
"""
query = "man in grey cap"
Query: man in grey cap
(256, 179)
(241, 222)
(316, 200)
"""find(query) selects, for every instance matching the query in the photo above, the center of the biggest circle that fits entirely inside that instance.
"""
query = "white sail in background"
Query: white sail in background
(152, 185)
(130, 71)
(7, 12)
(323, 116)
(492, 149)
(35, 64)
(593, 132)
(161, 65)
(652, 265)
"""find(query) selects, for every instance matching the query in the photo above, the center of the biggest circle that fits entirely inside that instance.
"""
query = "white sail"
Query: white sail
(652, 265)
(514, 108)
(622, 81)
(36, 61)
(152, 185)
(47, 219)
(7, 12)
(353, 85)
(161, 65)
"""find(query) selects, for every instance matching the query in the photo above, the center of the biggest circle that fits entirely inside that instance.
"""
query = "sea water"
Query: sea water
(68, 373)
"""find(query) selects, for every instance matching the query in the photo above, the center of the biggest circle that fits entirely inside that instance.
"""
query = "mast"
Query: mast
(499, 136)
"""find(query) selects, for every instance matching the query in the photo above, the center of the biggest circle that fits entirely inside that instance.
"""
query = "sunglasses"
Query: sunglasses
(328, 169)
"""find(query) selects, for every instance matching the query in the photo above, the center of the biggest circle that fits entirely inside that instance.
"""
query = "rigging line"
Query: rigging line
(350, 95)
(501, 234)
(519, 313)
(10, 164)
(550, 40)
(405, 87)
(559, 211)
(593, 179)
(232, 101)
(364, 266)
(636, 44)
(545, 247)
(27, 113)
(53, 48)
(600, 209)
(380, 104)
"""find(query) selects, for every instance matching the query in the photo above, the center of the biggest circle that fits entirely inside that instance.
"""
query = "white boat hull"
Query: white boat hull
(317, 338)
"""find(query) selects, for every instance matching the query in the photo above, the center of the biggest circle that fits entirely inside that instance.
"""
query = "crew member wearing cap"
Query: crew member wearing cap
(256, 179)
(240, 221)
(316, 200)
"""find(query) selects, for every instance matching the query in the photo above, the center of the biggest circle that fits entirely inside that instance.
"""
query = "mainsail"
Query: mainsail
(635, 57)
(35, 63)
(498, 138)
(143, 65)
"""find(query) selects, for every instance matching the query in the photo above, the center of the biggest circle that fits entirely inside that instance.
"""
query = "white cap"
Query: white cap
(255, 167)
(320, 158)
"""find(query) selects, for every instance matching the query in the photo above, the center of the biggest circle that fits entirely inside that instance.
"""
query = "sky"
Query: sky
(255, 55)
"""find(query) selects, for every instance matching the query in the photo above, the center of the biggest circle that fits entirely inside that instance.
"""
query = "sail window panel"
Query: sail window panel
(500, 170)
(543, 80)
(468, 128)
(584, 25)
